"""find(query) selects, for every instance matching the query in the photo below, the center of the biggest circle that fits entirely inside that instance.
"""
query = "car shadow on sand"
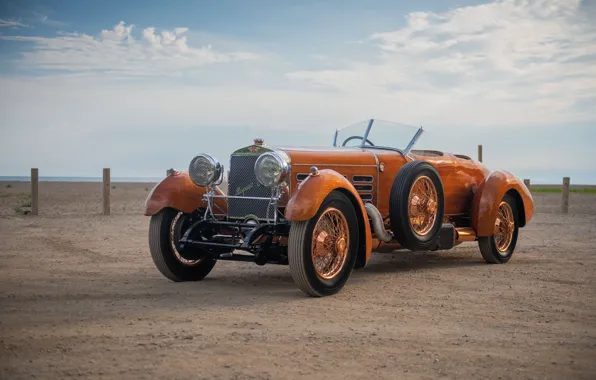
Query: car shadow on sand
(233, 285)
(230, 285)
(404, 261)
(272, 282)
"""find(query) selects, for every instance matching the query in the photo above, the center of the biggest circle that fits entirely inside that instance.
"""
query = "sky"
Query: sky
(142, 86)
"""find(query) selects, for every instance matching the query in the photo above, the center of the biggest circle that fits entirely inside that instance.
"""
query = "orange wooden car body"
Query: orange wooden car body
(472, 192)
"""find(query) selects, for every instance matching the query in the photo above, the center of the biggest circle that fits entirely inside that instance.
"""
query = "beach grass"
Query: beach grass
(24, 207)
(581, 190)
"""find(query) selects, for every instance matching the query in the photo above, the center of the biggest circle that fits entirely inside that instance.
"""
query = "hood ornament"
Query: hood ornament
(259, 141)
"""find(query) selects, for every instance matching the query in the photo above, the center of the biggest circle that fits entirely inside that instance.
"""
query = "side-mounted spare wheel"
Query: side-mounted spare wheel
(416, 206)
(165, 229)
(322, 251)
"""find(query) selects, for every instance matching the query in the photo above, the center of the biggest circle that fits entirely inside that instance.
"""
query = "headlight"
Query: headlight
(271, 169)
(204, 170)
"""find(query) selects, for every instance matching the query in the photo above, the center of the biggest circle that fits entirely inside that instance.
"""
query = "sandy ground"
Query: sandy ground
(80, 297)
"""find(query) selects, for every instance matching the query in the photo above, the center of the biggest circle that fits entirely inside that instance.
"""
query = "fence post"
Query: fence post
(480, 153)
(527, 183)
(106, 191)
(565, 203)
(34, 191)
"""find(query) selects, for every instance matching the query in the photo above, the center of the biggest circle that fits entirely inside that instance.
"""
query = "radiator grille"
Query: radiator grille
(243, 182)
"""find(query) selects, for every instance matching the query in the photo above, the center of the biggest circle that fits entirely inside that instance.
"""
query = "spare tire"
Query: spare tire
(416, 206)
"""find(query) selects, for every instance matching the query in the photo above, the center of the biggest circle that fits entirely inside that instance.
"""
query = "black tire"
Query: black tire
(399, 210)
(487, 244)
(300, 249)
(163, 254)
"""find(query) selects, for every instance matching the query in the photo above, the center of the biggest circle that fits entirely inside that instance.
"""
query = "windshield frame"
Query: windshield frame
(369, 126)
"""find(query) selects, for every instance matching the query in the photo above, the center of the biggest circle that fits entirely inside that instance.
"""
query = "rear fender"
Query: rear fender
(488, 196)
(179, 192)
(307, 199)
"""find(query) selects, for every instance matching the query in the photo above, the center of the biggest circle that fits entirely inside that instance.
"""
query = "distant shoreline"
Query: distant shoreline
(6, 179)
(81, 179)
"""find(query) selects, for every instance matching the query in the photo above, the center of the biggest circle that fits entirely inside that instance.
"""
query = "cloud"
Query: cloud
(515, 76)
(146, 127)
(536, 60)
(14, 24)
(117, 51)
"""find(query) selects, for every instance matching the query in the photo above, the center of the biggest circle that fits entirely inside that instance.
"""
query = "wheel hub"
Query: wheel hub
(340, 246)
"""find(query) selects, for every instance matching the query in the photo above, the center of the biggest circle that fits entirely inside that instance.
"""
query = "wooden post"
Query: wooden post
(565, 203)
(34, 191)
(527, 183)
(106, 191)
(480, 153)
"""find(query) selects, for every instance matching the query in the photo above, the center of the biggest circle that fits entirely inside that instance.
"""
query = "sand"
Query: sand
(80, 297)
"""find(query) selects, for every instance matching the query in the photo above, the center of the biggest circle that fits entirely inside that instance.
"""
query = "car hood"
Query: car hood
(331, 156)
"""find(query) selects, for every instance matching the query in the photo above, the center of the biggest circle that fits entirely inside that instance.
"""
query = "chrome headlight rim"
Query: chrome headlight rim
(216, 167)
(284, 168)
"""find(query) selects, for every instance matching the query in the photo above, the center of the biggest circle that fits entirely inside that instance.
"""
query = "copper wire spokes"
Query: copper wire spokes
(422, 205)
(330, 243)
(504, 227)
(175, 234)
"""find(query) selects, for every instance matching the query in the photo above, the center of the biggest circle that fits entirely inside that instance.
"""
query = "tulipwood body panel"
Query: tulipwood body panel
(489, 195)
(471, 190)
(357, 166)
(460, 176)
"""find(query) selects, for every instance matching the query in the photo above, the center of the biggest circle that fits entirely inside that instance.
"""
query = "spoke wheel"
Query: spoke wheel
(504, 227)
(416, 206)
(498, 248)
(165, 229)
(422, 205)
(322, 251)
(330, 243)
(177, 229)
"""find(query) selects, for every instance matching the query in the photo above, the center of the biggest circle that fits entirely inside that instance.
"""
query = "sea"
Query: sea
(81, 179)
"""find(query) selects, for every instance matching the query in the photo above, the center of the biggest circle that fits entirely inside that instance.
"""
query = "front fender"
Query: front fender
(178, 191)
(489, 194)
(309, 196)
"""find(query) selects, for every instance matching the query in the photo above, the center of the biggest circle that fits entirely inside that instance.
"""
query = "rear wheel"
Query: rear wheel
(322, 251)
(165, 230)
(498, 248)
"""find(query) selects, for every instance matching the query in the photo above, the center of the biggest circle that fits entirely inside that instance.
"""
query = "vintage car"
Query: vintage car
(323, 210)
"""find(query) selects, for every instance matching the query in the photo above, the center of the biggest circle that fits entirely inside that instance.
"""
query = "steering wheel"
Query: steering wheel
(354, 138)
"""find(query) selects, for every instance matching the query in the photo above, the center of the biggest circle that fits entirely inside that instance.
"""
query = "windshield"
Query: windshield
(378, 134)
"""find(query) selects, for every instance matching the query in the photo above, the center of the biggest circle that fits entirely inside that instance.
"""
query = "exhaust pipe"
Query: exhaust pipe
(377, 223)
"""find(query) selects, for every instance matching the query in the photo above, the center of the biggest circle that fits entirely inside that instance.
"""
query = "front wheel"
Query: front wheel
(322, 251)
(498, 248)
(165, 230)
